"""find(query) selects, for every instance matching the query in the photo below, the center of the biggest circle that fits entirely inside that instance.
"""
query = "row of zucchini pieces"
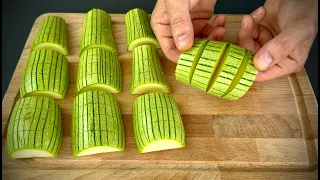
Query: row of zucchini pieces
(35, 128)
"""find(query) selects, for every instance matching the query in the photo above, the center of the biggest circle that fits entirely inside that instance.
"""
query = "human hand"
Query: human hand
(281, 34)
(177, 22)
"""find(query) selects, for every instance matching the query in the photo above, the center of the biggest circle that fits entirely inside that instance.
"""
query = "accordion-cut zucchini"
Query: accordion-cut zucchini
(138, 29)
(223, 69)
(157, 123)
(97, 32)
(147, 72)
(52, 34)
(46, 74)
(99, 70)
(34, 128)
(97, 125)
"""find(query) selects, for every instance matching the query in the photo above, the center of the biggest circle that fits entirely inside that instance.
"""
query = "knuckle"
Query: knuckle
(283, 45)
(178, 22)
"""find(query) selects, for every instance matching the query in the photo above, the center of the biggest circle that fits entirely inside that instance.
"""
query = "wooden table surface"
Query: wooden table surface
(271, 132)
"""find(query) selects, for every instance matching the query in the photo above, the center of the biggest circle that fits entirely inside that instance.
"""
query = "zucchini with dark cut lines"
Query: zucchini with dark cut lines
(46, 74)
(97, 125)
(138, 29)
(34, 128)
(147, 72)
(52, 34)
(97, 32)
(219, 68)
(157, 123)
(99, 70)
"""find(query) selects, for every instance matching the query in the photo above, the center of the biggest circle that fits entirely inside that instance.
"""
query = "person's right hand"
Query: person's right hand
(177, 22)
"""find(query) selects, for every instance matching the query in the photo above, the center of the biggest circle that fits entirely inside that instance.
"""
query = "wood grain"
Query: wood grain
(270, 132)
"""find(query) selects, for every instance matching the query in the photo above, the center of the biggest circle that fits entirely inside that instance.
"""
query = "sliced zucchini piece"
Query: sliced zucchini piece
(99, 70)
(34, 129)
(138, 29)
(226, 70)
(157, 123)
(207, 64)
(244, 79)
(52, 34)
(97, 125)
(97, 32)
(46, 74)
(147, 72)
(188, 60)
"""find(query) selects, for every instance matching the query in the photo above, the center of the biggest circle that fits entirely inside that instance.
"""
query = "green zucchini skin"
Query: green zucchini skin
(156, 117)
(138, 29)
(47, 72)
(52, 31)
(146, 69)
(97, 31)
(96, 121)
(35, 123)
(225, 70)
(99, 66)
(207, 63)
(188, 61)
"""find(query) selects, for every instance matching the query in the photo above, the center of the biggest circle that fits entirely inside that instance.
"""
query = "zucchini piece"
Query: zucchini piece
(138, 29)
(244, 79)
(226, 70)
(207, 64)
(157, 123)
(97, 32)
(97, 125)
(99, 70)
(52, 34)
(218, 68)
(188, 60)
(34, 129)
(147, 72)
(46, 74)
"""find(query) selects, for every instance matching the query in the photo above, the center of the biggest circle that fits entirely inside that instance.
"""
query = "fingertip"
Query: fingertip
(262, 61)
(184, 42)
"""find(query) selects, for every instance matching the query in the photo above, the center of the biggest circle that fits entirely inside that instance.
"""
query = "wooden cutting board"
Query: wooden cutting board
(273, 128)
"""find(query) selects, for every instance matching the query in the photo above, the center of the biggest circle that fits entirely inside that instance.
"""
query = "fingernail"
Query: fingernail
(265, 60)
(182, 37)
(243, 23)
(256, 12)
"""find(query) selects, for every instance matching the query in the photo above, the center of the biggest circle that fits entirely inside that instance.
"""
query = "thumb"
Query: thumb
(181, 25)
(278, 48)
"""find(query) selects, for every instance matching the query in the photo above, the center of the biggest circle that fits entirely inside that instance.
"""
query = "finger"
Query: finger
(264, 35)
(181, 24)
(219, 21)
(279, 48)
(258, 15)
(245, 31)
(169, 49)
(284, 67)
(218, 34)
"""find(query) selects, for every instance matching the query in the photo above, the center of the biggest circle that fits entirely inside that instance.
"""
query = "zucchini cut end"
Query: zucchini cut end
(97, 150)
(48, 45)
(99, 87)
(162, 144)
(48, 94)
(143, 41)
(106, 47)
(150, 88)
(30, 153)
